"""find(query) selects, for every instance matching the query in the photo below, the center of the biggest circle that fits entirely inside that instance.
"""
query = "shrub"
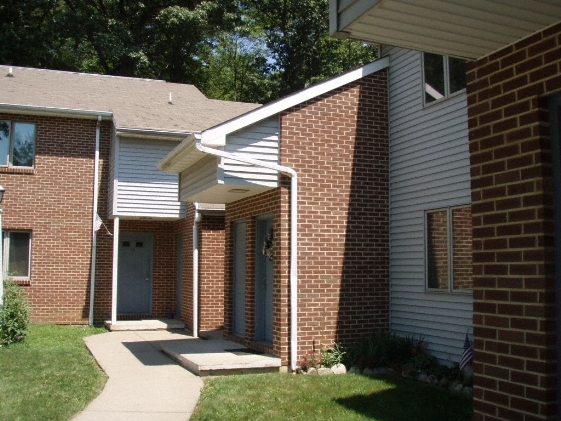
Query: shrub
(383, 349)
(14, 314)
(332, 356)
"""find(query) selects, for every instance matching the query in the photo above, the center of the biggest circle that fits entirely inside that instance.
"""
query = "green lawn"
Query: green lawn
(51, 376)
(337, 397)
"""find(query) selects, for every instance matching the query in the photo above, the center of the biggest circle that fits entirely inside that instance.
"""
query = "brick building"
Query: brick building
(76, 145)
(332, 138)
(513, 95)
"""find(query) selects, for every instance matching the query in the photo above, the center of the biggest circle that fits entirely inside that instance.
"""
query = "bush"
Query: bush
(332, 356)
(383, 349)
(14, 314)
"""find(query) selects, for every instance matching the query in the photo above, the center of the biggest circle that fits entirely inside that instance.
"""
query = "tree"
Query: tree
(24, 36)
(249, 50)
(301, 51)
(237, 69)
(155, 38)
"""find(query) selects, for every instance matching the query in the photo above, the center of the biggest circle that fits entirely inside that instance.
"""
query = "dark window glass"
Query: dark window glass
(4, 142)
(434, 77)
(18, 254)
(457, 70)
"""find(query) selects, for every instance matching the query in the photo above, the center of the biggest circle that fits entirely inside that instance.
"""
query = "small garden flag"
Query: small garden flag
(467, 355)
(97, 223)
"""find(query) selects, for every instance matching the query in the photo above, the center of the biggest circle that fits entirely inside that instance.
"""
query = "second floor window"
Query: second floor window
(442, 76)
(17, 144)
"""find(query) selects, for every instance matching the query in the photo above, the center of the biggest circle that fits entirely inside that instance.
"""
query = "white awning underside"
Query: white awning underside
(467, 29)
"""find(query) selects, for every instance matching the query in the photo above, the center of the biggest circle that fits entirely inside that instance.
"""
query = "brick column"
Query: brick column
(513, 241)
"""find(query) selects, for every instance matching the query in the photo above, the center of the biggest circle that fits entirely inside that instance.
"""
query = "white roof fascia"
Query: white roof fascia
(215, 137)
(174, 162)
(53, 111)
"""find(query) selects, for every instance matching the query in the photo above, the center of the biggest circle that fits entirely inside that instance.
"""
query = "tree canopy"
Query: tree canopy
(247, 50)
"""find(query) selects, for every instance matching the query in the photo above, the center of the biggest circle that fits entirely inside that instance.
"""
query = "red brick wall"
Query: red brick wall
(249, 209)
(187, 268)
(211, 271)
(513, 229)
(338, 145)
(54, 201)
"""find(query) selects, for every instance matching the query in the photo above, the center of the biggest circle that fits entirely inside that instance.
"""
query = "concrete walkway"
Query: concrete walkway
(143, 384)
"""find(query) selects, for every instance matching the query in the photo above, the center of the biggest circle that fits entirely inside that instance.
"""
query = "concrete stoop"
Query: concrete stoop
(141, 325)
(218, 357)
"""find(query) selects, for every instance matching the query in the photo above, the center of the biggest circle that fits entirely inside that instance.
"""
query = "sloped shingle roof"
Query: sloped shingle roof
(135, 103)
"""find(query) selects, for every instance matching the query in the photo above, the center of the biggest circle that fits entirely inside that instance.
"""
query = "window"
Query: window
(17, 254)
(449, 249)
(17, 144)
(443, 76)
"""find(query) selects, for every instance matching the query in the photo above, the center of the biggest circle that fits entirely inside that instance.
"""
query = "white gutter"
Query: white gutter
(53, 111)
(115, 271)
(196, 271)
(94, 216)
(293, 236)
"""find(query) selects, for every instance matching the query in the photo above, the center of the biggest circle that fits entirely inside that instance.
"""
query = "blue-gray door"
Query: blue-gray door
(238, 325)
(134, 291)
(263, 280)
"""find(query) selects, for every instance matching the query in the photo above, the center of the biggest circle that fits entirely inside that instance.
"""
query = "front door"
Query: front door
(238, 326)
(134, 291)
(264, 279)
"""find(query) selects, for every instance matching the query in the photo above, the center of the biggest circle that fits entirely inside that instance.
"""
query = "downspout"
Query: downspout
(94, 216)
(196, 271)
(293, 236)
(115, 270)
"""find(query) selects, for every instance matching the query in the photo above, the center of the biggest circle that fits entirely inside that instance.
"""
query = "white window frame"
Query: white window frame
(450, 251)
(12, 124)
(6, 254)
(447, 93)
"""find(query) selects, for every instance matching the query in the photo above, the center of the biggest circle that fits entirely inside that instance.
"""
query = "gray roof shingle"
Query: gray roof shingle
(135, 103)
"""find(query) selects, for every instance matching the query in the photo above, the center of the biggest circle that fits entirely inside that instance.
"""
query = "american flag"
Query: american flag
(97, 223)
(467, 355)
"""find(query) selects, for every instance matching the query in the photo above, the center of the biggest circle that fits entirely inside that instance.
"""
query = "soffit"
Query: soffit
(467, 29)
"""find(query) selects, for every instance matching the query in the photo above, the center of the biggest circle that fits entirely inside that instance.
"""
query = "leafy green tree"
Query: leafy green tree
(25, 39)
(237, 69)
(248, 50)
(301, 51)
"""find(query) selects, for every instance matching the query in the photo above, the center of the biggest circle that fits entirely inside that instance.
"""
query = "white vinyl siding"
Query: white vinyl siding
(112, 171)
(429, 169)
(259, 141)
(215, 180)
(141, 189)
(198, 178)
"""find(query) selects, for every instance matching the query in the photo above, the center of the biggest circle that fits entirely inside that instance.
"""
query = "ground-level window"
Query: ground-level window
(442, 76)
(17, 144)
(17, 254)
(449, 249)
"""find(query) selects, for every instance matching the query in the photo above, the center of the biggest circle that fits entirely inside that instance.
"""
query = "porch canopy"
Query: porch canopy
(468, 30)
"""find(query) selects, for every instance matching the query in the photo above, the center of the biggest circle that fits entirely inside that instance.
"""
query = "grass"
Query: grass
(51, 376)
(341, 397)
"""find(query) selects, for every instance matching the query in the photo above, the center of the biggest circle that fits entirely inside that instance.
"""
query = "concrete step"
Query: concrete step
(218, 357)
(148, 324)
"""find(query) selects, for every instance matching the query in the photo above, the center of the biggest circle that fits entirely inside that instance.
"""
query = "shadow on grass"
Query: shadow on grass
(410, 400)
